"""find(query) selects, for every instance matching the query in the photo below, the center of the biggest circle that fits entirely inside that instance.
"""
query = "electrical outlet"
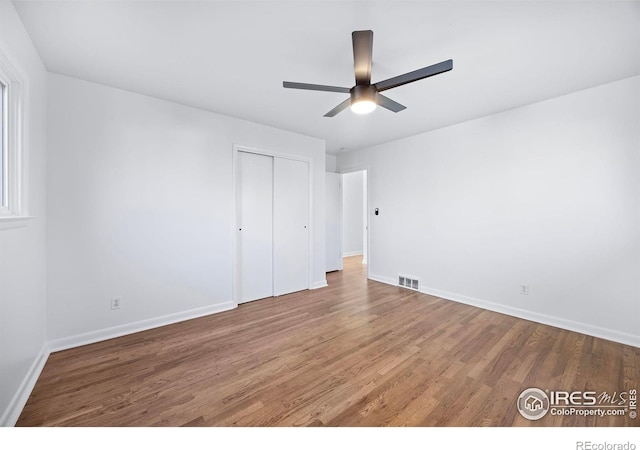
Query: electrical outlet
(524, 289)
(115, 302)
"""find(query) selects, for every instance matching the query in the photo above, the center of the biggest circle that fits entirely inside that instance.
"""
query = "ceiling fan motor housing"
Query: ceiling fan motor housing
(363, 92)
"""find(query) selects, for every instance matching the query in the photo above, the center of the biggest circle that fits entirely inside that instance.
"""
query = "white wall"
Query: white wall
(365, 219)
(140, 207)
(352, 220)
(546, 195)
(333, 216)
(22, 248)
(330, 161)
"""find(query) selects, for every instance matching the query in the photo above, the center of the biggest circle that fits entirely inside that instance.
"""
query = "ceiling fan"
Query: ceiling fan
(364, 96)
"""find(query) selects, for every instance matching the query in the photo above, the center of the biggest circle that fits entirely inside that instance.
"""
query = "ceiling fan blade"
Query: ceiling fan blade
(362, 55)
(389, 104)
(416, 75)
(341, 107)
(315, 87)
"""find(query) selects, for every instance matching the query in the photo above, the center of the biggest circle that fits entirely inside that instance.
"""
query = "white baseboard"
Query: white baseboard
(381, 279)
(558, 322)
(16, 405)
(319, 284)
(347, 254)
(135, 327)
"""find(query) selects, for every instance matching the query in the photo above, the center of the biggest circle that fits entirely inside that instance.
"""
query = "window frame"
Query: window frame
(12, 195)
(3, 145)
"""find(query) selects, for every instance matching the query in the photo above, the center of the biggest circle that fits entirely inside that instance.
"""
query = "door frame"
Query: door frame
(360, 168)
(235, 211)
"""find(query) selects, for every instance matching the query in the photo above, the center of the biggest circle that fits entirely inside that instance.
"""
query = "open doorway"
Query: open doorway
(347, 227)
(355, 229)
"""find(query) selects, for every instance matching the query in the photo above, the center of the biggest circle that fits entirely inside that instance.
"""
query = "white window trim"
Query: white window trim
(14, 177)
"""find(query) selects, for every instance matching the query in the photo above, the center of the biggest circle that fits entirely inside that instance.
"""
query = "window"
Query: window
(11, 140)
(3, 146)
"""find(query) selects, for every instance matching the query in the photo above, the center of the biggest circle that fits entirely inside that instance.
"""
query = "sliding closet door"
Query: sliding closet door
(290, 226)
(254, 227)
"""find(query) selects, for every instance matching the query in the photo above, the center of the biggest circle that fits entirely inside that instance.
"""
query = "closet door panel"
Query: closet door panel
(254, 227)
(290, 226)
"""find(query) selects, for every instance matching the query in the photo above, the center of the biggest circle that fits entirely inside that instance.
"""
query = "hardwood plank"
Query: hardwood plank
(358, 353)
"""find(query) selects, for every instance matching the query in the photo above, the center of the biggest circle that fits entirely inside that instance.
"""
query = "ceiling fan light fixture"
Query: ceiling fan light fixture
(363, 99)
(363, 106)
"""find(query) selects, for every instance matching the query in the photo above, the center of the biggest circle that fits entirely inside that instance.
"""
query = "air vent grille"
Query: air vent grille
(409, 283)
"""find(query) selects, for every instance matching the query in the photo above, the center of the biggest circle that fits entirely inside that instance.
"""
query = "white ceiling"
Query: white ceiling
(231, 57)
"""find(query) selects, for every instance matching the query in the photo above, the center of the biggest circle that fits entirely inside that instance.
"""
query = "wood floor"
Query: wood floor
(358, 353)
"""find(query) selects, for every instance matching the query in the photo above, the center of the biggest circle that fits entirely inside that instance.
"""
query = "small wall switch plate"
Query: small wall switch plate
(524, 289)
(115, 302)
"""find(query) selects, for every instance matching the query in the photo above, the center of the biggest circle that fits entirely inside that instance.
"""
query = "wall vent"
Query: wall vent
(410, 283)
